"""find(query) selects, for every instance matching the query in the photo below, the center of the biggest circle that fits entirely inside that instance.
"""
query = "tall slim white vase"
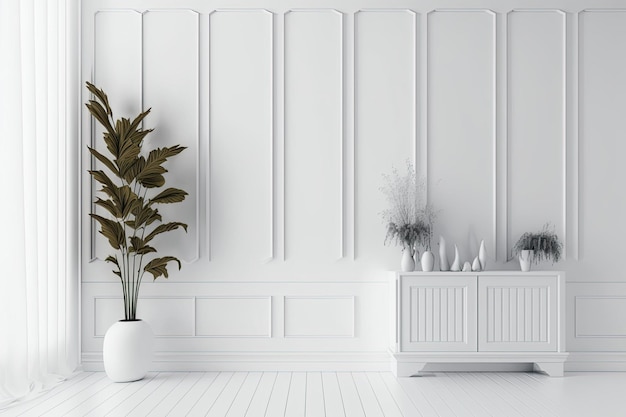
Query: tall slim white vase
(482, 256)
(444, 265)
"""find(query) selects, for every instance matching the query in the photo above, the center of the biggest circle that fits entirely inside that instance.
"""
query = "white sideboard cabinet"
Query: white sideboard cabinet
(478, 317)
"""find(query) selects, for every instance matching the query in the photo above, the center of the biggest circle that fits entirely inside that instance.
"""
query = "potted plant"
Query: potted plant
(537, 247)
(130, 220)
(409, 221)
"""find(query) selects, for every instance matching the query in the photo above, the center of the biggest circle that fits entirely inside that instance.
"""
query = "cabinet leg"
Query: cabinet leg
(550, 368)
(403, 369)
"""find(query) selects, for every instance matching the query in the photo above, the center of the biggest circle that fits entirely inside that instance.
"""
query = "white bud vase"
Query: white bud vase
(482, 255)
(525, 259)
(456, 265)
(476, 265)
(407, 263)
(127, 350)
(444, 265)
(428, 261)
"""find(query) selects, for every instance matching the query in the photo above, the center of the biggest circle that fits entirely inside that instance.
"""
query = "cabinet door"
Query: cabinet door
(517, 313)
(438, 313)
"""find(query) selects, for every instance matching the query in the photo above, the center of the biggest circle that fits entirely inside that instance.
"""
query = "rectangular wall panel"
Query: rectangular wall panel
(536, 122)
(592, 313)
(461, 126)
(385, 119)
(234, 316)
(314, 135)
(319, 316)
(168, 317)
(602, 44)
(241, 135)
(118, 39)
(171, 89)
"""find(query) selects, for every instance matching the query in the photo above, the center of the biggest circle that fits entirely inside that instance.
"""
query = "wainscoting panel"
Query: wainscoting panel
(171, 89)
(595, 317)
(168, 317)
(117, 38)
(536, 122)
(314, 168)
(385, 117)
(255, 322)
(461, 126)
(241, 135)
(234, 316)
(319, 317)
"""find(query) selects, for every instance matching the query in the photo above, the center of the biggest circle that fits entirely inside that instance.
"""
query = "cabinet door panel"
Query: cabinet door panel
(517, 314)
(438, 313)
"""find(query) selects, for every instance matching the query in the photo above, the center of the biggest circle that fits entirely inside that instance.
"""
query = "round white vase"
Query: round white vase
(525, 258)
(427, 261)
(127, 350)
(407, 263)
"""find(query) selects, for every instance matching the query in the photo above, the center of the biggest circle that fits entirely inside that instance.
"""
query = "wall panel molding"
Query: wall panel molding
(319, 317)
(456, 90)
(241, 88)
(249, 316)
(462, 122)
(168, 68)
(314, 134)
(536, 114)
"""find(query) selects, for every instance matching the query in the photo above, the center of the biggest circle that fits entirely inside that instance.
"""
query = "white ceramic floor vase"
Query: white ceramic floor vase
(428, 261)
(407, 263)
(127, 350)
(525, 259)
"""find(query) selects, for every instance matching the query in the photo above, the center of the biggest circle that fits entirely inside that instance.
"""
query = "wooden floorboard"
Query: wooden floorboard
(332, 394)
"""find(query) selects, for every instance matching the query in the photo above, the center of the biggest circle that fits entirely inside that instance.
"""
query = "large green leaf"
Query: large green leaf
(158, 267)
(112, 230)
(135, 124)
(110, 206)
(151, 174)
(139, 246)
(122, 200)
(169, 195)
(162, 228)
(144, 215)
(106, 161)
(101, 96)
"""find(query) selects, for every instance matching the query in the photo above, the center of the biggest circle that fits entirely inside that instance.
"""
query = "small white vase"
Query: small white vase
(476, 264)
(127, 350)
(467, 267)
(407, 263)
(456, 265)
(444, 265)
(428, 261)
(482, 256)
(525, 258)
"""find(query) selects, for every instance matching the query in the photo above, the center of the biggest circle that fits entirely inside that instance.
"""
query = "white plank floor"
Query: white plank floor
(334, 394)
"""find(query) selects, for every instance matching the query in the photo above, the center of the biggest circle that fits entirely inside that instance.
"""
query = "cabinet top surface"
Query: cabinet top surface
(479, 273)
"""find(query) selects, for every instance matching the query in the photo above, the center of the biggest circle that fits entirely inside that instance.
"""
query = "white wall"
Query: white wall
(292, 112)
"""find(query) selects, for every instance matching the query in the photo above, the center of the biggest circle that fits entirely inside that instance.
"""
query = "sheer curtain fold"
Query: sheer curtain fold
(38, 336)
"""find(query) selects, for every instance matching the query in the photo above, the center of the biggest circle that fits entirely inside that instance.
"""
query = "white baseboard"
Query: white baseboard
(338, 362)
(596, 362)
(349, 362)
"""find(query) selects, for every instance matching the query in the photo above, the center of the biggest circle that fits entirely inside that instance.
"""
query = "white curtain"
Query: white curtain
(38, 269)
